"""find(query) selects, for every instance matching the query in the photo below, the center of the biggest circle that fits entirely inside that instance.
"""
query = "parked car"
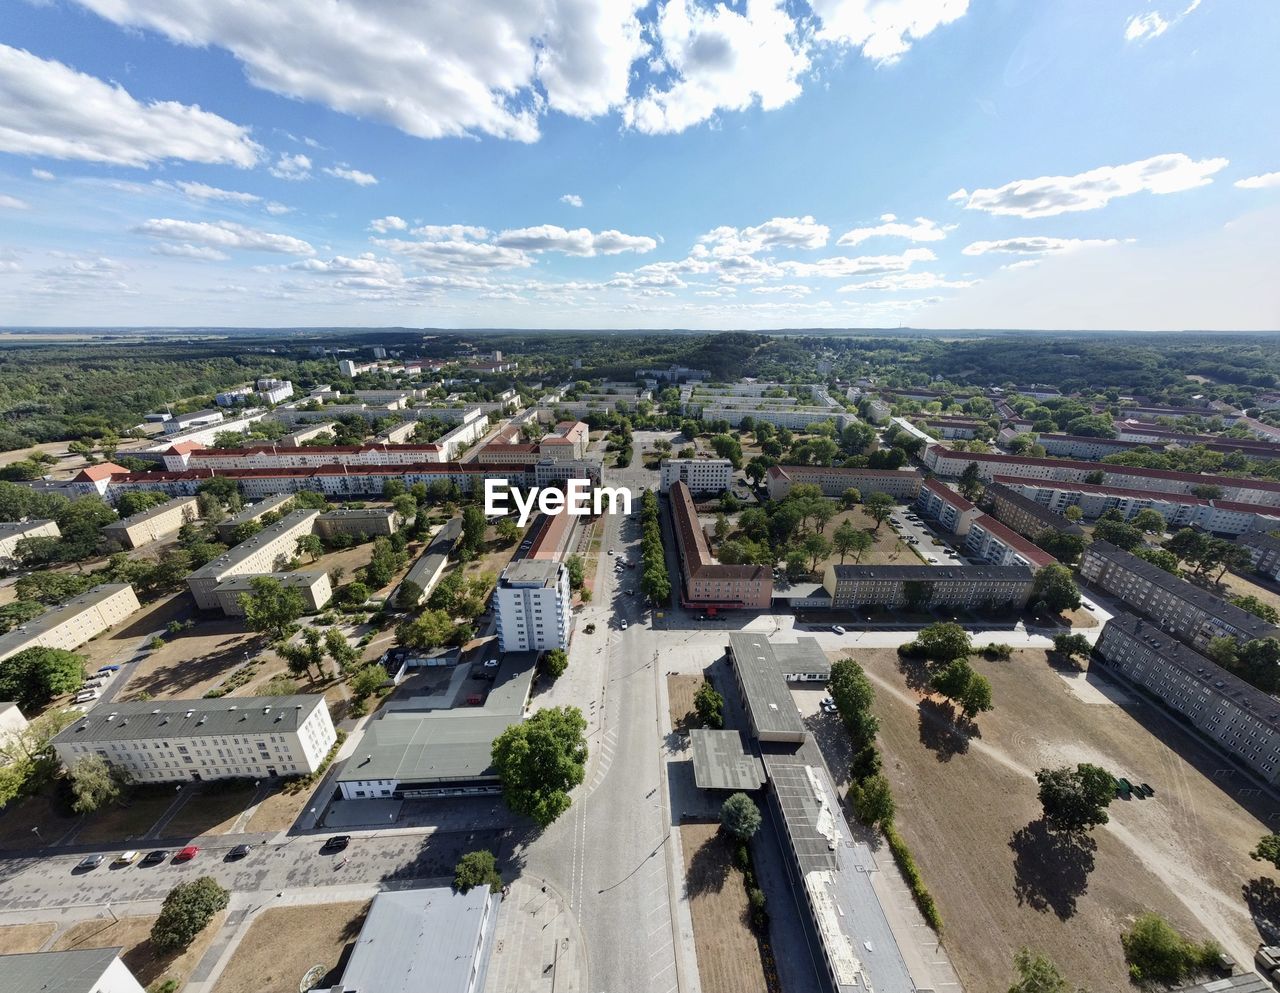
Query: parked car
(154, 858)
(837, 629)
(336, 843)
(491, 663)
(187, 854)
(624, 624)
(932, 560)
(828, 706)
(89, 862)
(109, 668)
(125, 858)
(630, 592)
(239, 852)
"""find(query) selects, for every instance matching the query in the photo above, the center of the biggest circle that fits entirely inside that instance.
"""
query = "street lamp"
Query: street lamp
(36, 832)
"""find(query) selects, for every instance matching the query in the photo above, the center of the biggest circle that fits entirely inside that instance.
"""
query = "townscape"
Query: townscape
(857, 654)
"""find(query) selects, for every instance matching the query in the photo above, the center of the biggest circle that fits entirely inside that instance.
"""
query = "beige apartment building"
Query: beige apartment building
(266, 552)
(253, 512)
(165, 741)
(152, 525)
(368, 521)
(73, 623)
(11, 534)
(314, 586)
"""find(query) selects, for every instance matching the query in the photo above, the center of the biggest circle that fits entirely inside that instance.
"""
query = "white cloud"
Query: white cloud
(389, 223)
(890, 227)
(276, 209)
(958, 195)
(13, 203)
(909, 281)
(223, 234)
(189, 251)
(778, 232)
(43, 174)
(884, 29)
(1048, 196)
(579, 241)
(862, 265)
(352, 175)
(457, 253)
(50, 109)
(785, 289)
(451, 232)
(1144, 27)
(572, 199)
(715, 58)
(292, 167)
(1035, 245)
(1022, 264)
(202, 191)
(1263, 182)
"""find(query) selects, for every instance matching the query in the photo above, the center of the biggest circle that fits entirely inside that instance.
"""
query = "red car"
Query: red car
(187, 854)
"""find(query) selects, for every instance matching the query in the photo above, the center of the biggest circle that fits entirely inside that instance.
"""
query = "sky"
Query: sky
(754, 164)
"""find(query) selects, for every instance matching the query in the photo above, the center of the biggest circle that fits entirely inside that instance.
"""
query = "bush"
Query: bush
(476, 869)
(187, 910)
(997, 653)
(1156, 953)
(759, 914)
(911, 872)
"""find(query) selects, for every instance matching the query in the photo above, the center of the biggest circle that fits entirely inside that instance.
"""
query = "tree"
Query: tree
(310, 545)
(740, 816)
(540, 760)
(1072, 646)
(1119, 533)
(405, 506)
(1267, 850)
(367, 680)
(970, 481)
(1073, 514)
(852, 693)
(473, 527)
(270, 607)
(1075, 799)
(958, 682)
(1156, 953)
(872, 800)
(18, 612)
(1251, 603)
(186, 912)
(817, 547)
(1062, 546)
(879, 506)
(1149, 521)
(976, 698)
(845, 539)
(508, 531)
(656, 585)
(943, 642)
(339, 649)
(35, 676)
(93, 784)
(710, 705)
(1161, 557)
(850, 498)
(430, 629)
(479, 868)
(1037, 973)
(555, 662)
(1054, 587)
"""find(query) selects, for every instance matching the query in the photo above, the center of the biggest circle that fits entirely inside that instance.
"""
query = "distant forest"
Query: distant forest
(58, 391)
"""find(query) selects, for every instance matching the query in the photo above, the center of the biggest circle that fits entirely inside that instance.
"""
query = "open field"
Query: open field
(194, 661)
(279, 809)
(968, 808)
(1233, 585)
(728, 951)
(680, 692)
(19, 817)
(134, 934)
(210, 809)
(127, 823)
(317, 935)
(15, 939)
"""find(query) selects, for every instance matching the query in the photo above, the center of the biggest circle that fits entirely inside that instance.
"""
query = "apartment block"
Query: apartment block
(266, 552)
(1024, 515)
(1264, 551)
(1241, 720)
(708, 584)
(700, 475)
(311, 456)
(78, 970)
(196, 419)
(973, 587)
(1073, 446)
(314, 586)
(253, 512)
(166, 741)
(71, 624)
(1186, 611)
(941, 503)
(371, 522)
(532, 606)
(12, 533)
(901, 484)
(567, 440)
(152, 525)
(996, 544)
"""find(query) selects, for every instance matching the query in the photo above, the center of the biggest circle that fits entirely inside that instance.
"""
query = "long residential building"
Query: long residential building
(982, 587)
(253, 512)
(154, 524)
(12, 533)
(1241, 720)
(700, 475)
(165, 741)
(311, 456)
(266, 552)
(941, 503)
(949, 463)
(1026, 516)
(706, 583)
(70, 625)
(1185, 610)
(313, 585)
(1075, 446)
(367, 522)
(1264, 551)
(996, 544)
(901, 484)
(1178, 509)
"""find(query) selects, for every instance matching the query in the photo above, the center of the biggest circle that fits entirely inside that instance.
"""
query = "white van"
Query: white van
(84, 696)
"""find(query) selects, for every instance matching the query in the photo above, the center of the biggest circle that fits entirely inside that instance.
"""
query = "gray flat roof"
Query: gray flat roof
(1250, 982)
(74, 971)
(229, 559)
(55, 616)
(434, 555)
(721, 761)
(191, 718)
(805, 655)
(836, 873)
(769, 701)
(1238, 617)
(8, 528)
(256, 510)
(416, 940)
(541, 572)
(372, 513)
(245, 583)
(430, 747)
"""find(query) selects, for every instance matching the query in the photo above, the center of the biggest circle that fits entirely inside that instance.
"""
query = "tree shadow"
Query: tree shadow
(1051, 868)
(1263, 898)
(709, 867)
(916, 672)
(941, 731)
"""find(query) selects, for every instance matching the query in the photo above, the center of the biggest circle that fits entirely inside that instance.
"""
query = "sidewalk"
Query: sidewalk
(539, 946)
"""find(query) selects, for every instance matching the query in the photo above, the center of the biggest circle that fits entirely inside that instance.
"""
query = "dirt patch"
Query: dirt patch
(211, 809)
(318, 935)
(129, 822)
(16, 939)
(1233, 585)
(728, 950)
(193, 662)
(134, 934)
(680, 693)
(279, 809)
(967, 806)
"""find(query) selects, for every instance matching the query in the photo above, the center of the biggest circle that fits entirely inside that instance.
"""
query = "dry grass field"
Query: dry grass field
(134, 935)
(317, 935)
(17, 939)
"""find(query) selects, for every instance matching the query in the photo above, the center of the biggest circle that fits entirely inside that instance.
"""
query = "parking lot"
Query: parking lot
(923, 539)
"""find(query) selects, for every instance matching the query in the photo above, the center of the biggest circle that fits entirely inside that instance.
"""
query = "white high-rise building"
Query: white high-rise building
(532, 606)
(700, 475)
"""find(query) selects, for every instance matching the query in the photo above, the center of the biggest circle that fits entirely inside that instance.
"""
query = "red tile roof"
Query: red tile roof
(99, 472)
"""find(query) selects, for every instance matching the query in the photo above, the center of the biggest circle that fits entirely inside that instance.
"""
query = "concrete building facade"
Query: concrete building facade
(941, 503)
(152, 525)
(71, 624)
(996, 544)
(1022, 514)
(705, 583)
(972, 587)
(264, 553)
(700, 475)
(532, 606)
(901, 484)
(12, 533)
(314, 586)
